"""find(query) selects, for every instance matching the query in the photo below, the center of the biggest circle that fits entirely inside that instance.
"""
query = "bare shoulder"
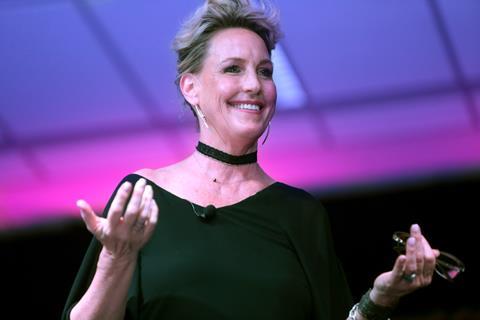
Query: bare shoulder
(159, 176)
(165, 177)
(147, 173)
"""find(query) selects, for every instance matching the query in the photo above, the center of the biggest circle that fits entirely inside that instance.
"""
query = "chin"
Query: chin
(250, 132)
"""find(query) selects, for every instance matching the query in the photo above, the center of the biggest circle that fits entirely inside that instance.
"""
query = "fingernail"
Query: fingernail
(416, 228)
(142, 182)
(411, 241)
(80, 203)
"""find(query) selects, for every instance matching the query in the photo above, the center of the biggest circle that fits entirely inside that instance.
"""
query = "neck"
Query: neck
(224, 173)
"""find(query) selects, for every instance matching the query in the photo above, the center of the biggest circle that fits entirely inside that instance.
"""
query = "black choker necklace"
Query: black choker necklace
(225, 157)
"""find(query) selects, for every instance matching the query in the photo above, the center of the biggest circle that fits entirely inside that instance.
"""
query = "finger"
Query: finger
(153, 218)
(133, 206)
(399, 267)
(144, 210)
(88, 216)
(429, 260)
(411, 263)
(419, 248)
(119, 202)
(436, 252)
(146, 204)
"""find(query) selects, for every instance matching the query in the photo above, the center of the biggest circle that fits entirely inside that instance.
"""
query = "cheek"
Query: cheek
(227, 88)
(271, 92)
(222, 89)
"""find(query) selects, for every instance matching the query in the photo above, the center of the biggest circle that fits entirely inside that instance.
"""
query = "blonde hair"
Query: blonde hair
(192, 40)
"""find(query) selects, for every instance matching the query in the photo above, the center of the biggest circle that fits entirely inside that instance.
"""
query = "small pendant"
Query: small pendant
(214, 179)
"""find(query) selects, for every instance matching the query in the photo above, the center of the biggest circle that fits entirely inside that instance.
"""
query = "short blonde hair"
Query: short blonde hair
(191, 41)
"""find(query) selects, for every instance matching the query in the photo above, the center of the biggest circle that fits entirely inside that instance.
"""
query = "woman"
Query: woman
(262, 249)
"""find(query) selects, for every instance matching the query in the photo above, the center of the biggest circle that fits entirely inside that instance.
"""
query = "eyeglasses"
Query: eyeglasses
(447, 265)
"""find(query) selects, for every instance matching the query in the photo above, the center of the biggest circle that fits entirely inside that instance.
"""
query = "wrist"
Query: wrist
(109, 262)
(367, 309)
(382, 299)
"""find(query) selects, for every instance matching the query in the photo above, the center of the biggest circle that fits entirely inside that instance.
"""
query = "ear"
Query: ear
(189, 86)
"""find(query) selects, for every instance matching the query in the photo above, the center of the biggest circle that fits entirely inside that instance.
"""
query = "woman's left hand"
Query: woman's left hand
(411, 271)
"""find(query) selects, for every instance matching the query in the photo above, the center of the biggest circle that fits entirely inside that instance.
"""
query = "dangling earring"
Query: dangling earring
(201, 115)
(266, 135)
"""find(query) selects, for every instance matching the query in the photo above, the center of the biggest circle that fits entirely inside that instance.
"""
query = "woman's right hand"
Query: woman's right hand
(127, 227)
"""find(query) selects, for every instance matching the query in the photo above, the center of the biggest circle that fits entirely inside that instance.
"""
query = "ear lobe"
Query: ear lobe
(189, 87)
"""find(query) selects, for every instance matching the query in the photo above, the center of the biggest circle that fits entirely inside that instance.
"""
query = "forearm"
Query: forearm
(106, 296)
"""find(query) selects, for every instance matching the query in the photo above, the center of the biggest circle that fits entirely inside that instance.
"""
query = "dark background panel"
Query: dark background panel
(447, 210)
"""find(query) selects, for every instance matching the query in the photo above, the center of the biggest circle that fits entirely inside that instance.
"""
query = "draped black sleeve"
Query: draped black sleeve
(88, 267)
(308, 228)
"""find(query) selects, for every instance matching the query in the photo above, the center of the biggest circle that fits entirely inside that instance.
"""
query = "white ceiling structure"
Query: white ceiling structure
(369, 92)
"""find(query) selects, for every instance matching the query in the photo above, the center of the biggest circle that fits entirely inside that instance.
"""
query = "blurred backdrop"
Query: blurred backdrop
(378, 115)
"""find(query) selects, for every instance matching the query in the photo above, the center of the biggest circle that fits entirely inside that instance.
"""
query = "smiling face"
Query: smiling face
(234, 88)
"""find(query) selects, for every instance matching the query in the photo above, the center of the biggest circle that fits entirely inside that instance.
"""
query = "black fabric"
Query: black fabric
(226, 157)
(269, 256)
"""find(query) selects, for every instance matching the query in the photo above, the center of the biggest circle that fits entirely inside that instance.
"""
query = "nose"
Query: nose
(251, 83)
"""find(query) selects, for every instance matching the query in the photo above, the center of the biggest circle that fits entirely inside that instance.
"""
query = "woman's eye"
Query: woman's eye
(232, 69)
(266, 72)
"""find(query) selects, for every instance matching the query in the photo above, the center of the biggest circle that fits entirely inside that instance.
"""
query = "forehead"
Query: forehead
(237, 43)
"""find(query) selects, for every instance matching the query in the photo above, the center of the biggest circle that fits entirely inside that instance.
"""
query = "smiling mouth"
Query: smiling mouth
(247, 106)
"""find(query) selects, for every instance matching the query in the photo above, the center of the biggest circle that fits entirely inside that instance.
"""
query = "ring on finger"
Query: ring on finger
(139, 225)
(409, 277)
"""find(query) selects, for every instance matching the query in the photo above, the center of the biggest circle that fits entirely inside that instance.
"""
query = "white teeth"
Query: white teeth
(247, 106)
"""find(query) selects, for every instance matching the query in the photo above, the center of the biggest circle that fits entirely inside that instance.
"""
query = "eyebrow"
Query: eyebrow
(236, 59)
